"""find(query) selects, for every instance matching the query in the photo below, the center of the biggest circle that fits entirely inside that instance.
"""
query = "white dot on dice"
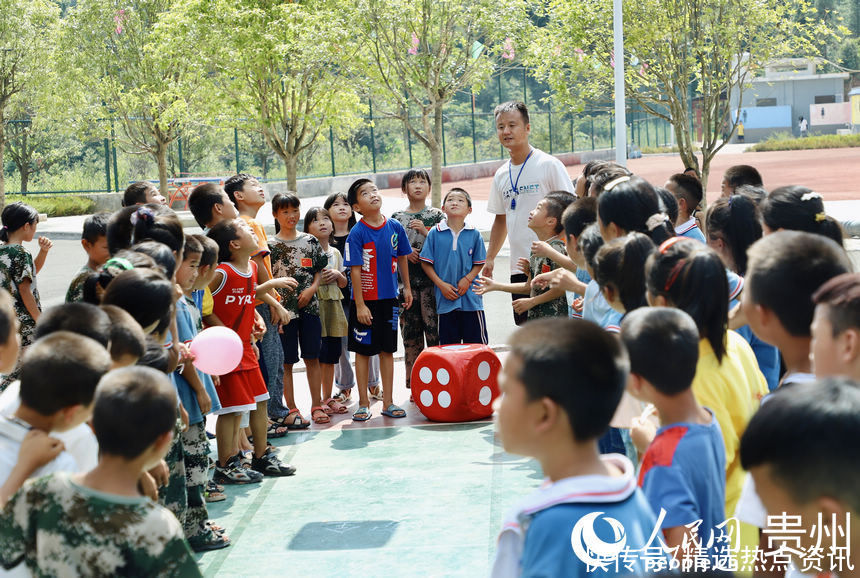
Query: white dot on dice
(483, 371)
(426, 397)
(485, 396)
(426, 375)
(444, 397)
(443, 378)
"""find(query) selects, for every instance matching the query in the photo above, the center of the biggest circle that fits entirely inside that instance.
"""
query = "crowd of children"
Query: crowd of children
(654, 334)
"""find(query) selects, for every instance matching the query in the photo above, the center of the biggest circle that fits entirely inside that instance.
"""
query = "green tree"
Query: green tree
(26, 46)
(675, 51)
(140, 68)
(280, 66)
(421, 53)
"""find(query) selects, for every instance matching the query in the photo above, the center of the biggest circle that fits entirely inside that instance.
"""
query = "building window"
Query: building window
(765, 102)
(825, 99)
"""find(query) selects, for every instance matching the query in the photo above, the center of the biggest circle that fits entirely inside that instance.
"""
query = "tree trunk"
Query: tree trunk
(435, 147)
(161, 159)
(292, 162)
(25, 177)
(2, 159)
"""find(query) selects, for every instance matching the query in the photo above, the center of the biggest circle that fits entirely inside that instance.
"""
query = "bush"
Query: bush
(56, 205)
(659, 150)
(786, 142)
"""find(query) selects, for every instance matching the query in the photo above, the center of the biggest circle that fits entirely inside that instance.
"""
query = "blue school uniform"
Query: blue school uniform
(684, 472)
(187, 317)
(691, 230)
(452, 257)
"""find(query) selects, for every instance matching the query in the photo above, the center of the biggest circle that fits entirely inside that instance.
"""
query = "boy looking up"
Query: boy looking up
(688, 192)
(418, 324)
(116, 530)
(801, 449)
(451, 258)
(561, 384)
(545, 221)
(94, 242)
(684, 468)
(375, 250)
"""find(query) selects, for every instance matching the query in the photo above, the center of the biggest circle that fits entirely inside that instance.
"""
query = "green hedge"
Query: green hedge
(56, 205)
(786, 142)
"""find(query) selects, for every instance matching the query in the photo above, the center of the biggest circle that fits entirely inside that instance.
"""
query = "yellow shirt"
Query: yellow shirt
(208, 304)
(732, 390)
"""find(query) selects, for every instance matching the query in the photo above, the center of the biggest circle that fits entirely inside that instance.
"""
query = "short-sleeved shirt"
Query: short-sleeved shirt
(452, 256)
(263, 245)
(12, 433)
(541, 174)
(595, 308)
(16, 266)
(429, 216)
(558, 306)
(301, 259)
(684, 472)
(57, 527)
(234, 306)
(339, 243)
(188, 325)
(75, 292)
(375, 250)
(691, 230)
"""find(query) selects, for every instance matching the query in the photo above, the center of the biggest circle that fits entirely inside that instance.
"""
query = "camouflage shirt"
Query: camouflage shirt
(429, 216)
(538, 265)
(16, 266)
(301, 259)
(76, 287)
(59, 528)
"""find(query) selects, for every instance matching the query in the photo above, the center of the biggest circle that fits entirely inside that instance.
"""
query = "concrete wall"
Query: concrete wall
(391, 180)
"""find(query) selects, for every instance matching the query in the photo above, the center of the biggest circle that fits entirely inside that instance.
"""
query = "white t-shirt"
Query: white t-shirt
(12, 433)
(541, 174)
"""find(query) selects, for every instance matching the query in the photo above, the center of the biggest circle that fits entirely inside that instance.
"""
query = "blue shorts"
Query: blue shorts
(462, 327)
(305, 330)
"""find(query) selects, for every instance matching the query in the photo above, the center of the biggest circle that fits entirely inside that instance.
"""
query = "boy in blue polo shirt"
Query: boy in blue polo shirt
(452, 258)
(376, 249)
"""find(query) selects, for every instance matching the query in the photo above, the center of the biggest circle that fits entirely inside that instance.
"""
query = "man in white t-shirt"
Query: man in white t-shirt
(517, 188)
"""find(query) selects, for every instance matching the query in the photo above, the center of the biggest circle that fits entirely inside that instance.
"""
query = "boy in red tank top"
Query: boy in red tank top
(234, 289)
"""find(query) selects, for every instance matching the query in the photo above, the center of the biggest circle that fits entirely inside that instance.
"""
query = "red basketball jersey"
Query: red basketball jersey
(234, 306)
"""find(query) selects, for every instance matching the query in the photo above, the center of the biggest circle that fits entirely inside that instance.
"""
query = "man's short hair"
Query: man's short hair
(62, 370)
(202, 200)
(842, 296)
(126, 334)
(95, 226)
(578, 215)
(786, 268)
(738, 175)
(133, 407)
(653, 335)
(236, 183)
(688, 187)
(577, 365)
(81, 318)
(802, 432)
(511, 106)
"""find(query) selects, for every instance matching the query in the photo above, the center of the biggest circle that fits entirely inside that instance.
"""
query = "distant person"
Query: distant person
(517, 188)
(738, 175)
(740, 131)
(804, 127)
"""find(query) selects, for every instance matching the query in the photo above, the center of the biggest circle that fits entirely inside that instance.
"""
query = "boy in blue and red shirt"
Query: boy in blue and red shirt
(683, 470)
(375, 249)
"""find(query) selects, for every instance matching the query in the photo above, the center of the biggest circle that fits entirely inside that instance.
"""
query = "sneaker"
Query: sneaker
(208, 540)
(233, 473)
(270, 465)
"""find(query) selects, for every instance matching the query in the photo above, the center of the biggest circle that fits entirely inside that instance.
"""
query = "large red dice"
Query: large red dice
(456, 382)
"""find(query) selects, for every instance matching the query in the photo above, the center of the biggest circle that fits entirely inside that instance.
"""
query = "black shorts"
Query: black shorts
(330, 350)
(381, 334)
(305, 330)
(520, 318)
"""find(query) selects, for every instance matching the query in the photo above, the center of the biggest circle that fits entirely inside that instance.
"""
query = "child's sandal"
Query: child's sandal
(332, 405)
(293, 420)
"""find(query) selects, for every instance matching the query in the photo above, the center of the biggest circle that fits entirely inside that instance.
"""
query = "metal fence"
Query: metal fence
(382, 144)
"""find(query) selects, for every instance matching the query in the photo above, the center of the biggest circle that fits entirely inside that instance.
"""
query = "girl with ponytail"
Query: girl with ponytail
(797, 208)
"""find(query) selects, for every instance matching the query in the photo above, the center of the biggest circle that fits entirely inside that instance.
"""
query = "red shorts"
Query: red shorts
(241, 390)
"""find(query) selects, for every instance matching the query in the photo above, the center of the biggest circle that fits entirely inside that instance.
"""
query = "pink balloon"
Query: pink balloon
(217, 350)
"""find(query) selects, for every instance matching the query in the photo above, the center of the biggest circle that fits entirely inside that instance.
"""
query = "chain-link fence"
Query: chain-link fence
(61, 164)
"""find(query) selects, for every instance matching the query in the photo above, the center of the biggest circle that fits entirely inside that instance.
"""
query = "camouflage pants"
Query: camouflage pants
(195, 446)
(174, 496)
(417, 324)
